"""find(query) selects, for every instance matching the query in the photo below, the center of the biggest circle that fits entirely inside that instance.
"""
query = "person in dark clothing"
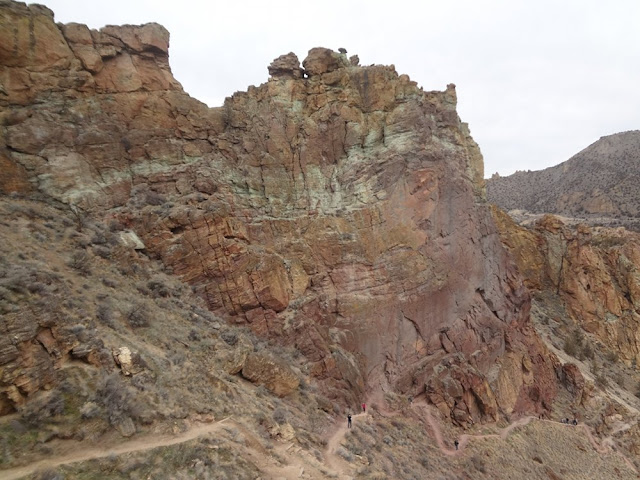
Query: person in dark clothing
(456, 443)
(349, 421)
(575, 421)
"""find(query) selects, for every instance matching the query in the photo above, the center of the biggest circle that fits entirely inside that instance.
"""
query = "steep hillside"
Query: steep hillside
(599, 184)
(585, 284)
(182, 409)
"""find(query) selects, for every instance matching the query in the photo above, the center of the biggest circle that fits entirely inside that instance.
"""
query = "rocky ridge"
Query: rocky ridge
(598, 185)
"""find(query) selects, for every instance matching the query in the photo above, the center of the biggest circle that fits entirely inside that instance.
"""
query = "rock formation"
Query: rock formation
(594, 271)
(335, 208)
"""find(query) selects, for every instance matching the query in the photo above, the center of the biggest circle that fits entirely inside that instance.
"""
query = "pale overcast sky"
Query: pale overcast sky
(537, 80)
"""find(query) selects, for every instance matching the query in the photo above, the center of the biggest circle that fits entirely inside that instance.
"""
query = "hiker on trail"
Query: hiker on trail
(364, 407)
(349, 421)
(575, 421)
(456, 443)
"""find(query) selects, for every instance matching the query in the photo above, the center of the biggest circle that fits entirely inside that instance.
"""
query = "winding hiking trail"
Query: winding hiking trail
(75, 452)
(464, 439)
(297, 465)
(80, 454)
(606, 447)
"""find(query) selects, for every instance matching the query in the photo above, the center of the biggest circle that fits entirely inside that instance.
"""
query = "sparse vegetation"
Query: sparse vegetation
(568, 189)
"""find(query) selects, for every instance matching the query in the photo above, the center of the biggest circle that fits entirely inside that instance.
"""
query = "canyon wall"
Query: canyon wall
(336, 208)
(594, 272)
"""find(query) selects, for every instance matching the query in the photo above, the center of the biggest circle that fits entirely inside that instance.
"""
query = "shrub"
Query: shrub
(230, 337)
(158, 287)
(280, 416)
(99, 238)
(80, 261)
(573, 344)
(48, 475)
(601, 381)
(39, 410)
(107, 282)
(114, 395)
(479, 464)
(346, 454)
(105, 315)
(587, 351)
(612, 356)
(102, 252)
(137, 316)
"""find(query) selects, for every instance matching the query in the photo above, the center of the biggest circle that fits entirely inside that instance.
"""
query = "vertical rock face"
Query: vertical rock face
(341, 211)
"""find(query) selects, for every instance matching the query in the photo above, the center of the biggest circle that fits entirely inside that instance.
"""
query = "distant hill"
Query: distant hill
(599, 183)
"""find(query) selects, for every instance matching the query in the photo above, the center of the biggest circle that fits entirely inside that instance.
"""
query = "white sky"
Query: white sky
(537, 80)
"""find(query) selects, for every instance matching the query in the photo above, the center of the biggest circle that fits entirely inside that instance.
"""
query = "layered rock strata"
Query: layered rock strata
(335, 208)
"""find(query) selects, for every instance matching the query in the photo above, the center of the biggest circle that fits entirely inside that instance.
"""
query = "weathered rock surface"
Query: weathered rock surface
(273, 374)
(341, 213)
(595, 271)
(286, 66)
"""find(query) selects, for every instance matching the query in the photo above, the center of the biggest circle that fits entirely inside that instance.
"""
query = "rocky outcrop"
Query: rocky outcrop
(286, 66)
(595, 271)
(342, 213)
(273, 374)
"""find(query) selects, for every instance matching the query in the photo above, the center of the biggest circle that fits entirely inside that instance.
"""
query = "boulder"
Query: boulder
(274, 374)
(286, 66)
(323, 60)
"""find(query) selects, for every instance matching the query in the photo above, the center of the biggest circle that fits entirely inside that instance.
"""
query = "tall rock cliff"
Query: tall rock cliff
(335, 208)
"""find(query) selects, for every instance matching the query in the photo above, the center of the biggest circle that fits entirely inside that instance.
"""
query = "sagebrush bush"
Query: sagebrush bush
(117, 399)
(81, 261)
(106, 315)
(137, 316)
(43, 408)
(280, 416)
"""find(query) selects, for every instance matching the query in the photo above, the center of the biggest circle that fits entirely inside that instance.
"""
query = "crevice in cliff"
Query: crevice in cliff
(561, 268)
(415, 325)
(344, 140)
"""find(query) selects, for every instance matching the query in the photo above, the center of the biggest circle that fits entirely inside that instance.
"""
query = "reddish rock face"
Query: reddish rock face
(594, 271)
(342, 213)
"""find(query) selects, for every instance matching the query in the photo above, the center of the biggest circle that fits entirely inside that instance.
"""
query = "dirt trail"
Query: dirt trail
(607, 446)
(333, 461)
(293, 470)
(80, 454)
(296, 465)
(464, 439)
